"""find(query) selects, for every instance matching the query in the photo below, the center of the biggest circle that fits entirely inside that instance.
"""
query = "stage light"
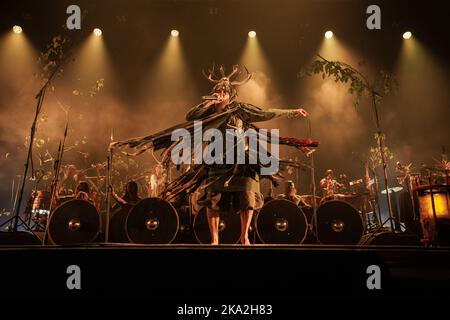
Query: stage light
(407, 35)
(252, 34)
(329, 34)
(174, 33)
(17, 29)
(97, 32)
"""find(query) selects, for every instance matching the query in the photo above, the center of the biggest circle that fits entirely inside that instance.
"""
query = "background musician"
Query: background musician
(329, 185)
(157, 181)
(290, 193)
(130, 197)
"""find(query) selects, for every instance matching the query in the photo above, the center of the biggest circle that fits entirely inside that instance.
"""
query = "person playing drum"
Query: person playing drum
(290, 193)
(130, 197)
(329, 185)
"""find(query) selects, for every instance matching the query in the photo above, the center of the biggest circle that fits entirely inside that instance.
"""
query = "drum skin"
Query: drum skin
(152, 221)
(338, 223)
(281, 222)
(229, 227)
(74, 222)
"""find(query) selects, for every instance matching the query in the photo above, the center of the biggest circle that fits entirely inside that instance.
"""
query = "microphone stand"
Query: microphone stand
(16, 217)
(108, 193)
(39, 101)
(313, 187)
(57, 169)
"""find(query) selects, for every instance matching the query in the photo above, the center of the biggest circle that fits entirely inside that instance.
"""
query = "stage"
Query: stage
(226, 273)
(238, 153)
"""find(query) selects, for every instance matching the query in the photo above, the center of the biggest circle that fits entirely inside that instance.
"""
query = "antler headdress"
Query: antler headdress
(226, 83)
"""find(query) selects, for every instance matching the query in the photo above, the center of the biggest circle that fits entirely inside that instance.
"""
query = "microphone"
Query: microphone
(209, 98)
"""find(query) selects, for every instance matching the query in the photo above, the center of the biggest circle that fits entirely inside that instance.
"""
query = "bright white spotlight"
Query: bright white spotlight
(174, 33)
(252, 34)
(329, 34)
(407, 35)
(97, 32)
(17, 29)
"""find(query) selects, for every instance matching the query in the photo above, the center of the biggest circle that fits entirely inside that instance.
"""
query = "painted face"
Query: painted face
(223, 95)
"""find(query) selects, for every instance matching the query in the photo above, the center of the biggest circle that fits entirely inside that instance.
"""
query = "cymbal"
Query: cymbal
(393, 189)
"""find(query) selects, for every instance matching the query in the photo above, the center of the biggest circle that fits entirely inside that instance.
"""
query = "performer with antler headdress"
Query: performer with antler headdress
(231, 188)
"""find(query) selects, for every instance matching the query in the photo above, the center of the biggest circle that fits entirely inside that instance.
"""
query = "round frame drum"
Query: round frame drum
(152, 221)
(75, 221)
(229, 227)
(338, 223)
(281, 221)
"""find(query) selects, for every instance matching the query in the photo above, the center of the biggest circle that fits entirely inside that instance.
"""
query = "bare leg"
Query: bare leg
(213, 222)
(246, 220)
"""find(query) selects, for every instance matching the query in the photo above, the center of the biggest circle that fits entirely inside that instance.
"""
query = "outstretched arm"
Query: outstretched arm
(256, 114)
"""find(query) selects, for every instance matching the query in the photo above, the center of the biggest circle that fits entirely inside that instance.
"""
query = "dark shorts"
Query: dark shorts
(235, 201)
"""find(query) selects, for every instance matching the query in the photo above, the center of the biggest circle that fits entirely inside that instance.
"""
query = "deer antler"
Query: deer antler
(239, 83)
(235, 71)
(211, 74)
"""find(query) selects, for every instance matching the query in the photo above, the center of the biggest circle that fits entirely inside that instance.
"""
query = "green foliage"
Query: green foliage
(50, 58)
(359, 84)
(375, 154)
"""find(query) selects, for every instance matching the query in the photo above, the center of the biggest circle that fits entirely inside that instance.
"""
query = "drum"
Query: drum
(152, 221)
(281, 221)
(338, 223)
(39, 207)
(356, 200)
(434, 207)
(229, 227)
(439, 205)
(73, 222)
